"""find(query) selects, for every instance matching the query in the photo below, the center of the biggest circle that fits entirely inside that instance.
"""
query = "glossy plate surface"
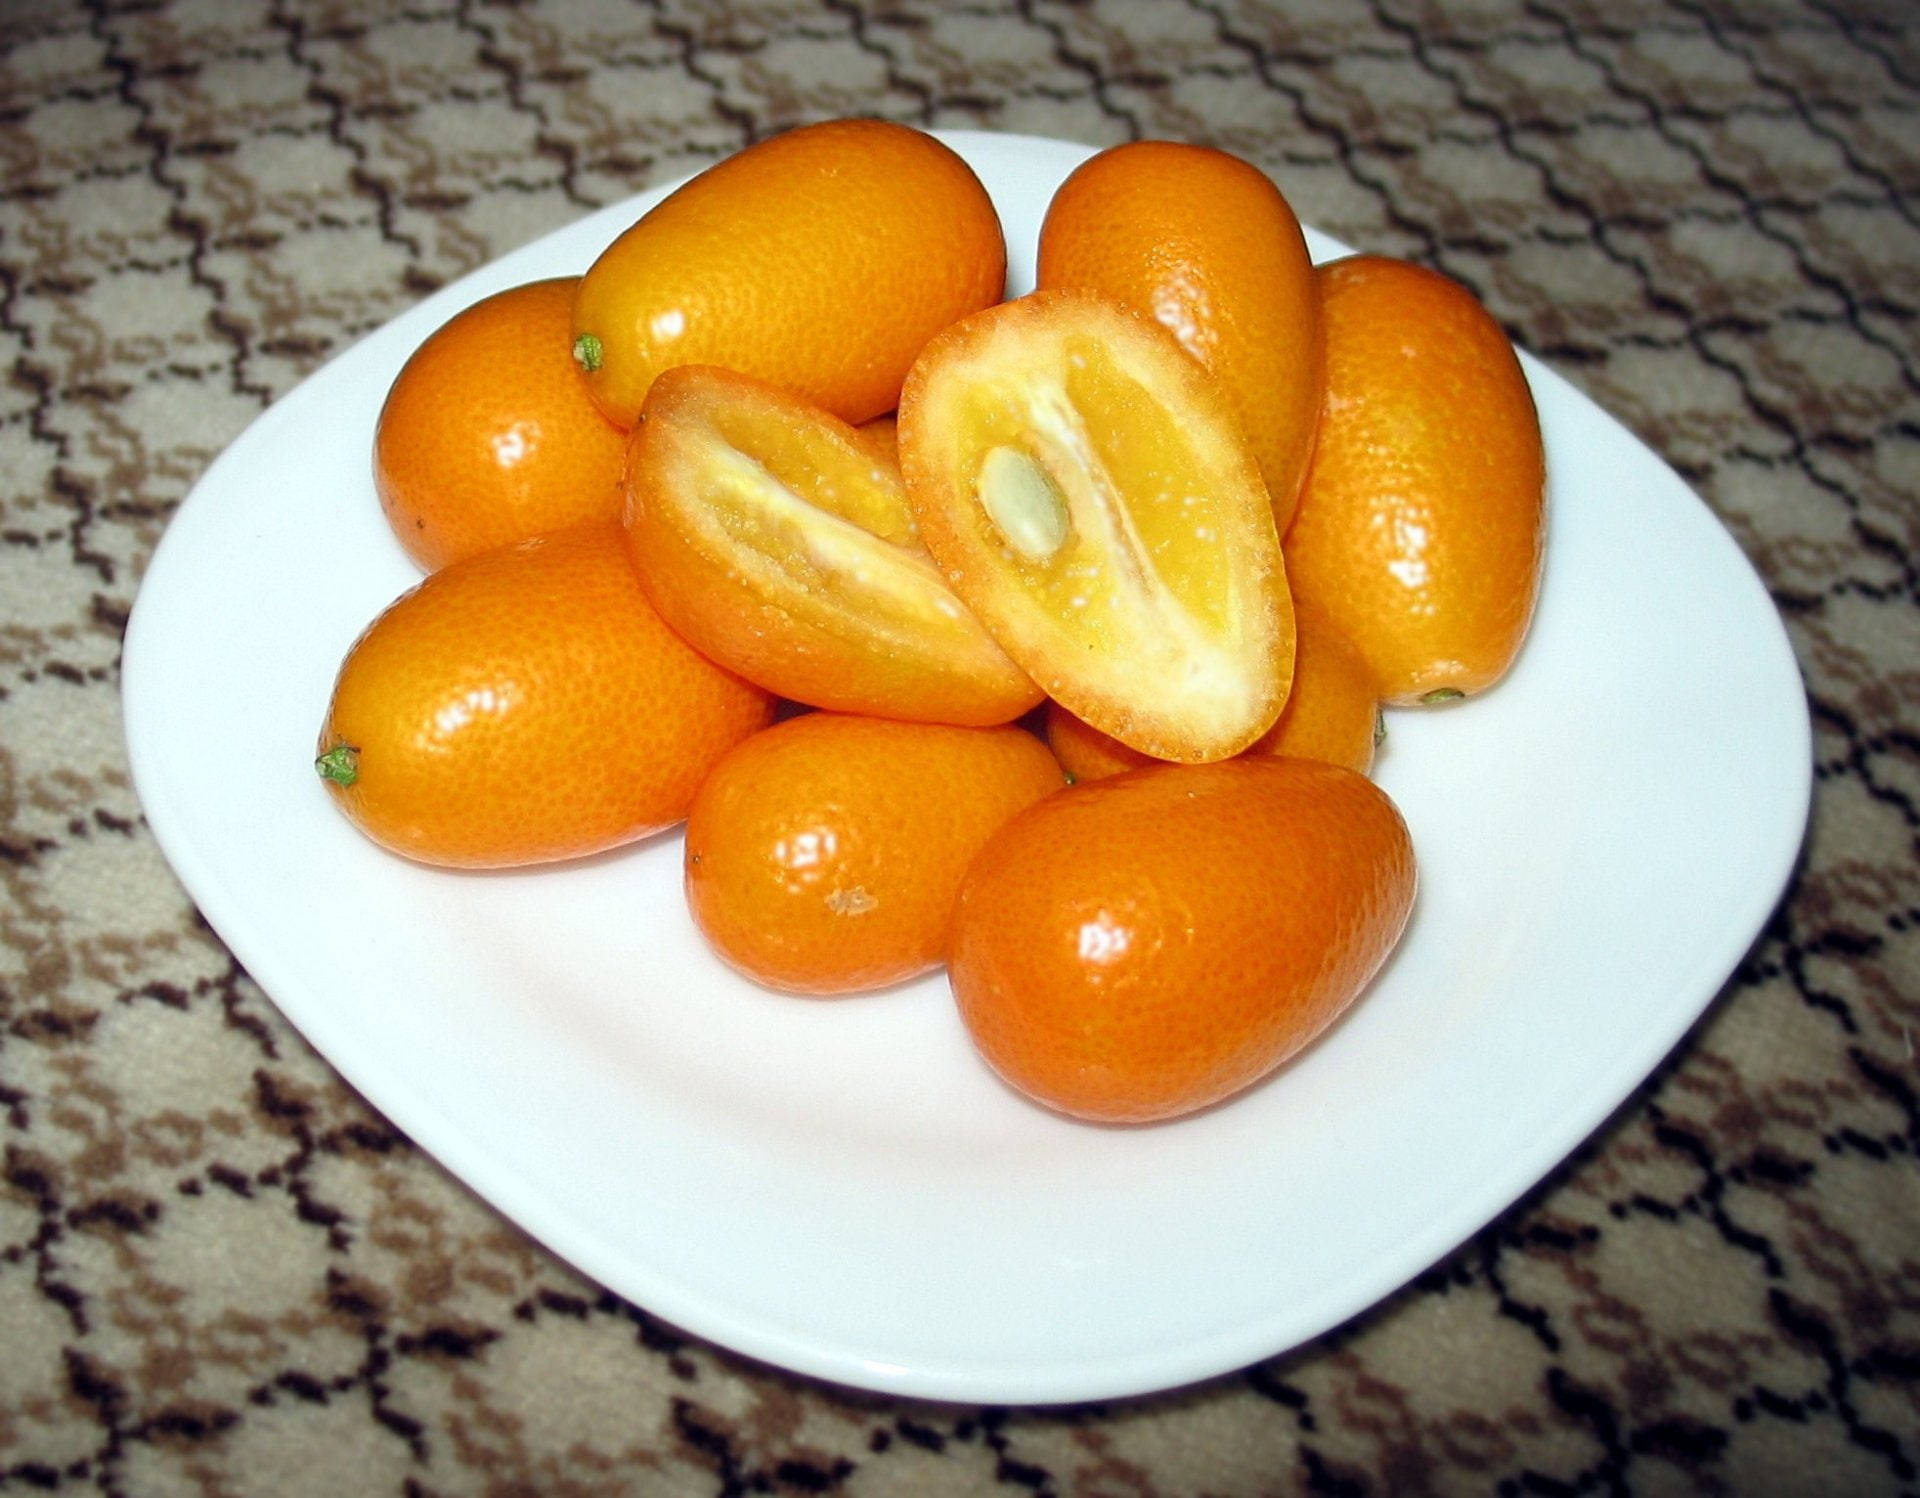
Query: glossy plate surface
(841, 1187)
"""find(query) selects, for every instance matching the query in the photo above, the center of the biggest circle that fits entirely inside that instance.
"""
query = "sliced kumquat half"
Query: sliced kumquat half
(778, 541)
(1092, 498)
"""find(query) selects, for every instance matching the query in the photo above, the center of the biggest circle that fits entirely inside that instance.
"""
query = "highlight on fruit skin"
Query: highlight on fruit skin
(820, 259)
(1142, 947)
(1093, 501)
(1421, 527)
(823, 854)
(526, 705)
(778, 541)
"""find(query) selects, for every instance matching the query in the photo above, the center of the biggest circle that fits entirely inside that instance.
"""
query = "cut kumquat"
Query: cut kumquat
(1090, 496)
(778, 540)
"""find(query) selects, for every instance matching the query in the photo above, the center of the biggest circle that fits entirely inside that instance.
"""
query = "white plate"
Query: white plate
(841, 1187)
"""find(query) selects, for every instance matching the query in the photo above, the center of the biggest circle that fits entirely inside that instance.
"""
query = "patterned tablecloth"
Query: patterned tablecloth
(222, 1272)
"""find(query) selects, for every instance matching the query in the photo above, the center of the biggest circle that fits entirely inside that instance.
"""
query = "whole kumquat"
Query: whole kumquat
(819, 259)
(1421, 525)
(1333, 712)
(822, 855)
(1108, 966)
(488, 435)
(527, 705)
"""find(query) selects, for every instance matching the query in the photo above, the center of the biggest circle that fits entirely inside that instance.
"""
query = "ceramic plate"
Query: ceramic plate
(842, 1188)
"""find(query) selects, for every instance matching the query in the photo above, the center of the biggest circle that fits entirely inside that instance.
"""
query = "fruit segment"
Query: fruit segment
(779, 542)
(1090, 496)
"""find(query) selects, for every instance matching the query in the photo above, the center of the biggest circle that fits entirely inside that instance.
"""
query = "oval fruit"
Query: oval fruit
(820, 259)
(527, 705)
(1205, 244)
(822, 855)
(1091, 498)
(1085, 752)
(1141, 947)
(778, 541)
(1422, 523)
(488, 435)
(1333, 713)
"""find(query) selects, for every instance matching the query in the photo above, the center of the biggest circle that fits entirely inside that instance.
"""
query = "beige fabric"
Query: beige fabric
(222, 1273)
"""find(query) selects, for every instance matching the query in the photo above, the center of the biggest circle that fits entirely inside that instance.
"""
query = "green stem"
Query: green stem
(340, 764)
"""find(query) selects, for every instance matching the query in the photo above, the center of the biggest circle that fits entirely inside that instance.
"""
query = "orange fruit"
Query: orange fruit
(780, 543)
(488, 434)
(1092, 499)
(526, 705)
(1204, 243)
(1141, 947)
(1084, 751)
(1332, 713)
(1421, 524)
(819, 259)
(822, 855)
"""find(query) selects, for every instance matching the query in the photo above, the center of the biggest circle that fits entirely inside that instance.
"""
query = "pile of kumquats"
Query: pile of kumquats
(1045, 638)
